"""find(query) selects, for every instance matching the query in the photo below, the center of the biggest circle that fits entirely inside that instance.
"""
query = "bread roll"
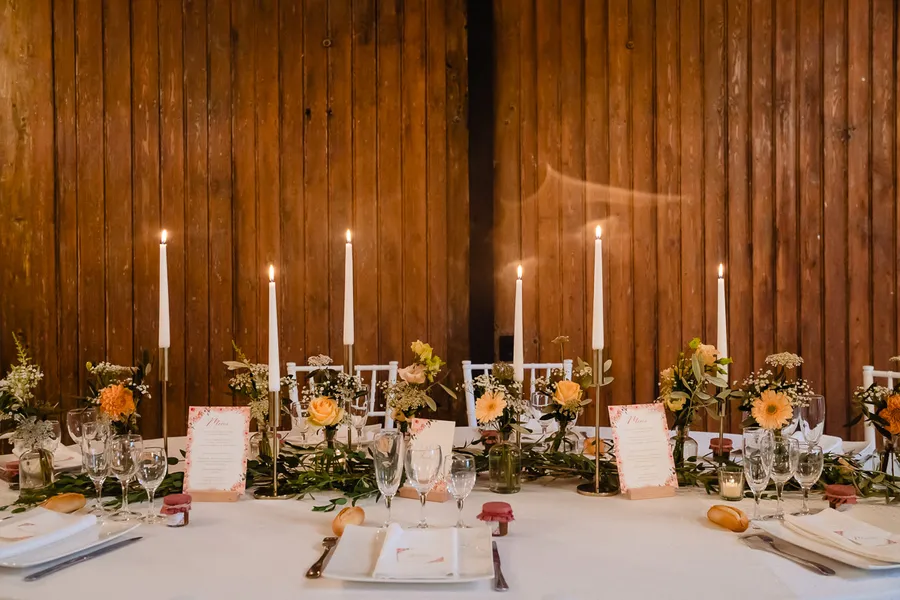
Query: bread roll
(728, 517)
(352, 515)
(65, 503)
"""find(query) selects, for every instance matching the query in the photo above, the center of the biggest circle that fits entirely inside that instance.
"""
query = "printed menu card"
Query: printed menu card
(218, 441)
(643, 456)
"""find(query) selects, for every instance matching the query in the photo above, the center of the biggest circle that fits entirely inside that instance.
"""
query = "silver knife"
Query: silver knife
(80, 559)
(499, 580)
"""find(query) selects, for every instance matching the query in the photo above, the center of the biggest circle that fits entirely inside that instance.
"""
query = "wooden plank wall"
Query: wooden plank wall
(256, 132)
(758, 133)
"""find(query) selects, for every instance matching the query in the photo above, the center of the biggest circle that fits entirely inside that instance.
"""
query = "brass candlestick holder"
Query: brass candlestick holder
(272, 435)
(164, 386)
(593, 488)
(348, 360)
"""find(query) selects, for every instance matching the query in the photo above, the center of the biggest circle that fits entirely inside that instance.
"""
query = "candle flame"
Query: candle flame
(721, 270)
(519, 272)
(271, 272)
(599, 232)
(348, 236)
(165, 235)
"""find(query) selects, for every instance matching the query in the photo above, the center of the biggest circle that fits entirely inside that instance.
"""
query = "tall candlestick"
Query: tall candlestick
(274, 370)
(722, 330)
(597, 338)
(518, 332)
(165, 335)
(348, 293)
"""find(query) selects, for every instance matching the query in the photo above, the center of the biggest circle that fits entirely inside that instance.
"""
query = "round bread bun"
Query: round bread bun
(728, 517)
(65, 503)
(352, 515)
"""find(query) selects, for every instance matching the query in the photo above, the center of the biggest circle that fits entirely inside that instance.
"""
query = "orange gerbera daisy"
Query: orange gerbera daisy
(117, 402)
(891, 414)
(772, 410)
(489, 407)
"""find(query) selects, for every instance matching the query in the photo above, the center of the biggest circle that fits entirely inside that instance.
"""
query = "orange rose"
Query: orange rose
(568, 394)
(324, 412)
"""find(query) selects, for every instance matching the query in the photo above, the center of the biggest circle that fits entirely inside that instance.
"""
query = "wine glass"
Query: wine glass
(359, 415)
(298, 420)
(124, 452)
(423, 466)
(388, 457)
(785, 454)
(812, 418)
(789, 429)
(539, 402)
(810, 462)
(152, 465)
(52, 441)
(758, 451)
(75, 420)
(95, 462)
(461, 480)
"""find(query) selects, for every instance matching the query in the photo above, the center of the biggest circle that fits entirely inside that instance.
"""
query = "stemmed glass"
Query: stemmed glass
(359, 415)
(124, 453)
(423, 466)
(95, 460)
(789, 429)
(758, 454)
(52, 442)
(785, 454)
(298, 420)
(539, 402)
(152, 465)
(812, 418)
(810, 462)
(75, 420)
(388, 457)
(460, 481)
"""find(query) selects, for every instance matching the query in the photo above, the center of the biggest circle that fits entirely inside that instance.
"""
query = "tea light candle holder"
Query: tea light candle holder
(731, 483)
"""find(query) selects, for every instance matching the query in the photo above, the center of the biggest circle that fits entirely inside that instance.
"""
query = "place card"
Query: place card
(643, 456)
(430, 432)
(218, 442)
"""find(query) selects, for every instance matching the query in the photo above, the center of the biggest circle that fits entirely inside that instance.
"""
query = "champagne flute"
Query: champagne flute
(423, 466)
(152, 465)
(810, 462)
(812, 418)
(758, 450)
(123, 462)
(388, 457)
(359, 415)
(785, 453)
(95, 460)
(75, 420)
(461, 480)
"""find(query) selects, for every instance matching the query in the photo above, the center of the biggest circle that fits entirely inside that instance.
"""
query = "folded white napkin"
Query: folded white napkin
(37, 528)
(851, 535)
(417, 554)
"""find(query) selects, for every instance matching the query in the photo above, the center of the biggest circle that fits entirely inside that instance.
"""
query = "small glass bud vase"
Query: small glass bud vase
(683, 446)
(505, 464)
(35, 469)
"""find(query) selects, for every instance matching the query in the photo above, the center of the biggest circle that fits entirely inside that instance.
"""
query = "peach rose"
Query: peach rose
(324, 412)
(708, 354)
(568, 394)
(412, 374)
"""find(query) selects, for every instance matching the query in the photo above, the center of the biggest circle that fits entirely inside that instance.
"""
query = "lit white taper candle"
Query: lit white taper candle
(348, 293)
(722, 328)
(518, 332)
(274, 369)
(165, 334)
(597, 342)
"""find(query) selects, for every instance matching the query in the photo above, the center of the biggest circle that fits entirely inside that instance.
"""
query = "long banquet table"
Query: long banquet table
(561, 546)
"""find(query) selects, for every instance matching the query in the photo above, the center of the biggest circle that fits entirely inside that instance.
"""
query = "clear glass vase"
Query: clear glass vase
(505, 464)
(888, 457)
(35, 469)
(683, 446)
(566, 440)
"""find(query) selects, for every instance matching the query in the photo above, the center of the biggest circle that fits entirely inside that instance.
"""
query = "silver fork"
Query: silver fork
(771, 547)
(315, 571)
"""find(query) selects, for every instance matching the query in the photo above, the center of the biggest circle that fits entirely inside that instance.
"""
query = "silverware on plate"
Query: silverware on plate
(315, 571)
(81, 558)
(499, 580)
(768, 544)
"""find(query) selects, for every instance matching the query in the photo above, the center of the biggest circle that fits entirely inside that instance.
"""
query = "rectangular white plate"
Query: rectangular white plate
(777, 530)
(356, 554)
(100, 533)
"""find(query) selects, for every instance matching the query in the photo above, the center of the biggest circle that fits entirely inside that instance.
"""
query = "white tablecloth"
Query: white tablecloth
(561, 546)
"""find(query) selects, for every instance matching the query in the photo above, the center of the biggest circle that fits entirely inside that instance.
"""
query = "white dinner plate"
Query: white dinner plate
(777, 530)
(357, 552)
(86, 539)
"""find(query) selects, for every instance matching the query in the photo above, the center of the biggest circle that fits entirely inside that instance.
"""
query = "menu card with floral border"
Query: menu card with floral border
(643, 455)
(218, 442)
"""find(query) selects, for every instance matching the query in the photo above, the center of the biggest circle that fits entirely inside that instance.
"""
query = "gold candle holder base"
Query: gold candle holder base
(590, 489)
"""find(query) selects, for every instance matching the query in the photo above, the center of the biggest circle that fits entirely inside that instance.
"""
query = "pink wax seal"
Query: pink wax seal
(177, 507)
(497, 512)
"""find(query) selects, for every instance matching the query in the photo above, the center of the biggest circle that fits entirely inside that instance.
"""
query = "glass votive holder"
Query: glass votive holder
(731, 483)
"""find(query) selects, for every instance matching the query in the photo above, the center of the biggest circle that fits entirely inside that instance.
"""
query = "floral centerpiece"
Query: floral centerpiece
(117, 390)
(770, 395)
(567, 398)
(499, 404)
(880, 406)
(693, 383)
(409, 395)
(252, 382)
(329, 396)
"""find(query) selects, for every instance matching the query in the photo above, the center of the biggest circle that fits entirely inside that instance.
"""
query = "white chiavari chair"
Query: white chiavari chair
(293, 369)
(369, 374)
(869, 377)
(532, 370)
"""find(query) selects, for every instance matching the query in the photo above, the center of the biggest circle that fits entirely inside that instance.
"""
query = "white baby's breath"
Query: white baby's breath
(787, 360)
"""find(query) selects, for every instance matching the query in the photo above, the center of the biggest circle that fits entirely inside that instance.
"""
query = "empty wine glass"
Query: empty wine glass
(812, 418)
(75, 420)
(388, 458)
(152, 465)
(95, 461)
(359, 415)
(758, 450)
(539, 402)
(461, 480)
(52, 441)
(298, 420)
(810, 462)
(124, 452)
(789, 429)
(785, 453)
(423, 466)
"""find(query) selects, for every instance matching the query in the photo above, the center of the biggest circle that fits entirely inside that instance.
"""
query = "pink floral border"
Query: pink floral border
(616, 413)
(195, 413)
